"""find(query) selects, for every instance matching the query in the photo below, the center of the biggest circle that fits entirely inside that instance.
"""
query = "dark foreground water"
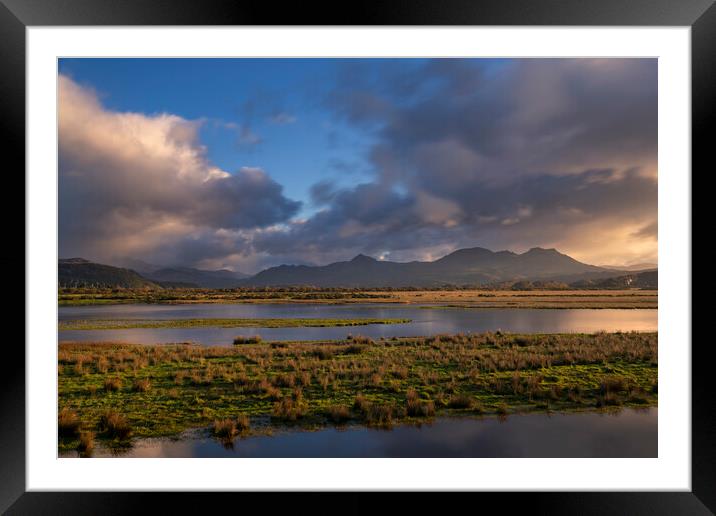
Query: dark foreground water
(428, 321)
(628, 433)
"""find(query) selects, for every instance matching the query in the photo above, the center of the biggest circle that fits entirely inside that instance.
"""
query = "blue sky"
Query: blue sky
(251, 163)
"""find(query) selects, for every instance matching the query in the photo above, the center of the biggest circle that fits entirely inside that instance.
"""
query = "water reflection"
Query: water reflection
(424, 321)
(627, 433)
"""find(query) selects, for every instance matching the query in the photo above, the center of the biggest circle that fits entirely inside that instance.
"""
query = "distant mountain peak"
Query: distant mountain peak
(362, 258)
(542, 250)
(473, 250)
(466, 253)
(74, 260)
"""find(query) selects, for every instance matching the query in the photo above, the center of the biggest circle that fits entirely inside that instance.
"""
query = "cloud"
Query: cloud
(282, 118)
(649, 231)
(323, 192)
(544, 210)
(504, 154)
(498, 153)
(248, 138)
(141, 185)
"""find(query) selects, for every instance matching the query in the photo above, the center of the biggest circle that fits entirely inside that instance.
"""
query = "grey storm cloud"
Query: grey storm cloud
(507, 154)
(523, 115)
(137, 185)
(375, 219)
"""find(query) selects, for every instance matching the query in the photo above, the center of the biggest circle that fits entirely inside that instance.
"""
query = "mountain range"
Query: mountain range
(475, 267)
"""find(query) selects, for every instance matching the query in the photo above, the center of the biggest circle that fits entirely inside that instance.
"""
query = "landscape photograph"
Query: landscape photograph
(357, 257)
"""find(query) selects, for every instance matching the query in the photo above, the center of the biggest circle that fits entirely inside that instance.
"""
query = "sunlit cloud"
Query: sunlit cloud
(139, 185)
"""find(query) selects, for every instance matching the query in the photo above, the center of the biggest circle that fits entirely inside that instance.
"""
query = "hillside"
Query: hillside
(645, 279)
(187, 276)
(78, 272)
(637, 267)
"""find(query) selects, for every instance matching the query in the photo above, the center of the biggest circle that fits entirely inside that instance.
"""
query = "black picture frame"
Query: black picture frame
(17, 15)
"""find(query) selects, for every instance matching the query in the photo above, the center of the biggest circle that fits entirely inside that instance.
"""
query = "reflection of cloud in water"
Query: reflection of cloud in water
(629, 433)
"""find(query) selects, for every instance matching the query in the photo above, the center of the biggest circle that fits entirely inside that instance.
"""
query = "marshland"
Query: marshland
(138, 367)
(115, 394)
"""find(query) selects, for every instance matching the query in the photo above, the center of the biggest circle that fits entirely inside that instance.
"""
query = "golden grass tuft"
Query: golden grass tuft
(380, 415)
(289, 409)
(225, 428)
(461, 401)
(114, 425)
(112, 384)
(68, 423)
(244, 339)
(86, 444)
(338, 413)
(418, 408)
(243, 423)
(141, 385)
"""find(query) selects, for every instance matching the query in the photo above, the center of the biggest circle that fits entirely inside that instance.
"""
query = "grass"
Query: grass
(338, 413)
(243, 339)
(438, 298)
(416, 407)
(225, 428)
(290, 408)
(125, 390)
(243, 423)
(114, 425)
(99, 296)
(112, 384)
(461, 401)
(122, 324)
(86, 443)
(68, 423)
(141, 385)
(380, 414)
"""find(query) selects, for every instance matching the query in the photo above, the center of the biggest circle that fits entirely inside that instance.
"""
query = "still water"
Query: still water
(425, 321)
(628, 433)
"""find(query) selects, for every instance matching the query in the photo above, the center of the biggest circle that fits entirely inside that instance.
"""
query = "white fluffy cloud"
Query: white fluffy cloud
(138, 185)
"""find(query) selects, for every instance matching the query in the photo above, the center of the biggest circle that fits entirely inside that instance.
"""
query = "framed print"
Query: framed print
(415, 249)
